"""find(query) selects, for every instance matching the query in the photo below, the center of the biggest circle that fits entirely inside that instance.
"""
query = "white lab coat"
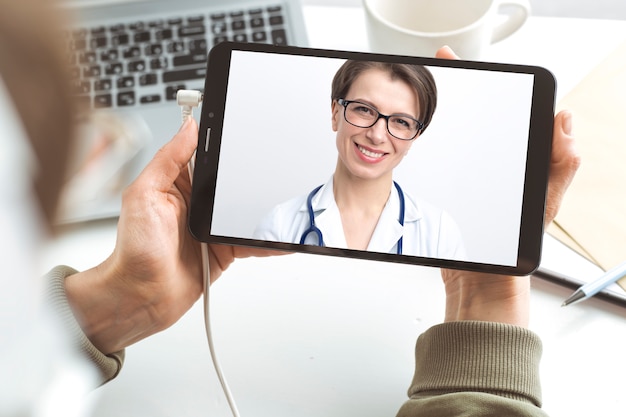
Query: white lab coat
(427, 231)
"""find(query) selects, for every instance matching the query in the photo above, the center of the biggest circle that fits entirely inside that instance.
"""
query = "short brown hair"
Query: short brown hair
(418, 77)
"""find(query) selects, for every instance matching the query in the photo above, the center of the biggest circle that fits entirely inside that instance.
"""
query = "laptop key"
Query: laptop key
(158, 23)
(158, 63)
(175, 47)
(103, 85)
(86, 57)
(257, 22)
(279, 37)
(126, 82)
(109, 55)
(170, 91)
(148, 79)
(237, 25)
(164, 34)
(219, 39)
(137, 66)
(98, 42)
(259, 37)
(218, 28)
(193, 20)
(92, 71)
(184, 75)
(126, 98)
(137, 26)
(118, 27)
(174, 21)
(195, 30)
(142, 37)
(113, 69)
(187, 60)
(154, 49)
(276, 20)
(103, 100)
(197, 46)
(151, 98)
(132, 52)
(120, 39)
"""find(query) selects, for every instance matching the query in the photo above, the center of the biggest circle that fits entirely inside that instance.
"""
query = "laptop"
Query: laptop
(127, 60)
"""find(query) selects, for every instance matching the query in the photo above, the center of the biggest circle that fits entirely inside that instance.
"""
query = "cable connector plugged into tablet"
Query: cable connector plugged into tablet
(187, 100)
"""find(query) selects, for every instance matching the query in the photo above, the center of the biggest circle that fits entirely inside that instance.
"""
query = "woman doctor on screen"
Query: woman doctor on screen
(378, 111)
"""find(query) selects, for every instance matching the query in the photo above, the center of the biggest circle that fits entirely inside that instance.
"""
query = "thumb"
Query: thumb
(173, 157)
(564, 163)
(445, 52)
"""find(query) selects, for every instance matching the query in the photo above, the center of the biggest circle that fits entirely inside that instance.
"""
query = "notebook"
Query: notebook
(127, 60)
(591, 220)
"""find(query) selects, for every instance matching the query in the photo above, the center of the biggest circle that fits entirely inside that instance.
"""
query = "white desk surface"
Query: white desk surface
(318, 336)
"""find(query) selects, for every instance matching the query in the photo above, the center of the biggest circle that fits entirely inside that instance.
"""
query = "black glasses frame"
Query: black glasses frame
(343, 102)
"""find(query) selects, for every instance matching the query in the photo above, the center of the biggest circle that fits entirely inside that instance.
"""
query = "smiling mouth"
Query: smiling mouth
(369, 153)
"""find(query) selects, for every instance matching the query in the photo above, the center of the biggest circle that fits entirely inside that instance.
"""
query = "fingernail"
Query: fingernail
(567, 123)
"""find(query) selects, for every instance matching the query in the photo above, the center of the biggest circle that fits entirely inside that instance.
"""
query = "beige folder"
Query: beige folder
(592, 219)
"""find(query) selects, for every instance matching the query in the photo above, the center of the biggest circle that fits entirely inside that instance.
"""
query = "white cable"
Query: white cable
(188, 99)
(207, 325)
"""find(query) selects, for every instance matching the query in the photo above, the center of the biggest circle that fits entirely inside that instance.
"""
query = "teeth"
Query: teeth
(370, 153)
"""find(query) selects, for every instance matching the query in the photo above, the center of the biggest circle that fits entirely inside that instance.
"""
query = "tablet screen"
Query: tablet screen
(414, 160)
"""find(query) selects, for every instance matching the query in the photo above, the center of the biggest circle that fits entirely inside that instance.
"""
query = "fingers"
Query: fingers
(446, 53)
(564, 163)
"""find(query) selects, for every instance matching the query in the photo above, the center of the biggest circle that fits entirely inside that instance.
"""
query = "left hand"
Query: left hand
(154, 274)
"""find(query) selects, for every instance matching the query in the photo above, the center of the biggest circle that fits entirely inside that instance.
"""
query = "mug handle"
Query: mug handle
(520, 10)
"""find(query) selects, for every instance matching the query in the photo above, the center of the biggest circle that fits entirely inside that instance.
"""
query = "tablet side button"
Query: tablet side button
(206, 141)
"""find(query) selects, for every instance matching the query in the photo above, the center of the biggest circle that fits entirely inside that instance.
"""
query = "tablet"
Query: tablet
(391, 158)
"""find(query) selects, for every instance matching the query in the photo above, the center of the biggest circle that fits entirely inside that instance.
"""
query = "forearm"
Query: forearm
(109, 365)
(486, 297)
(110, 312)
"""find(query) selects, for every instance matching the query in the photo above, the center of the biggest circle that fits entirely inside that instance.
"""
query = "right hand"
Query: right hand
(489, 297)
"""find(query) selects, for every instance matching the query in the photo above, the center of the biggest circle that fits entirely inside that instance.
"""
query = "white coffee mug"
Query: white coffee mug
(420, 27)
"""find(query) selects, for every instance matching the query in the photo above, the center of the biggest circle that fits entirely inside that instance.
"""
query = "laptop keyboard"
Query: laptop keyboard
(146, 62)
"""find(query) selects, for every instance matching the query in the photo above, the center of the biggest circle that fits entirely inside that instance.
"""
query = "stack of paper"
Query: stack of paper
(592, 219)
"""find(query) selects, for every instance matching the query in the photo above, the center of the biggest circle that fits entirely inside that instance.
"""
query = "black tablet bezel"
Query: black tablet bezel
(536, 174)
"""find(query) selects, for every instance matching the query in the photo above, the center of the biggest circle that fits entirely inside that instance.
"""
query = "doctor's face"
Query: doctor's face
(372, 153)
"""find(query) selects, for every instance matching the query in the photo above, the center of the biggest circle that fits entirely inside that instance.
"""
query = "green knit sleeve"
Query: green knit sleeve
(108, 365)
(472, 368)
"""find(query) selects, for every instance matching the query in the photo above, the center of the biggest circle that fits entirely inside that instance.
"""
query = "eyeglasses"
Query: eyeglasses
(363, 115)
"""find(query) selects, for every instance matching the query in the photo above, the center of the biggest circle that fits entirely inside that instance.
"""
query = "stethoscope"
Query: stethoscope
(320, 238)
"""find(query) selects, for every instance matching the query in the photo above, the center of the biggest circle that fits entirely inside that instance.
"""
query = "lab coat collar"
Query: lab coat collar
(388, 229)
(328, 217)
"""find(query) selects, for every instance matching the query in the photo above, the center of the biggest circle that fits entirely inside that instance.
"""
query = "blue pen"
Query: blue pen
(592, 288)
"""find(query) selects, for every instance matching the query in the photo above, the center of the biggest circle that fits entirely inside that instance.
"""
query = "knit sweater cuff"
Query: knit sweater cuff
(487, 357)
(108, 365)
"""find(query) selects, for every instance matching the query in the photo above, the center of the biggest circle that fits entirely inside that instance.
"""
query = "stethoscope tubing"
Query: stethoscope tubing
(320, 237)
